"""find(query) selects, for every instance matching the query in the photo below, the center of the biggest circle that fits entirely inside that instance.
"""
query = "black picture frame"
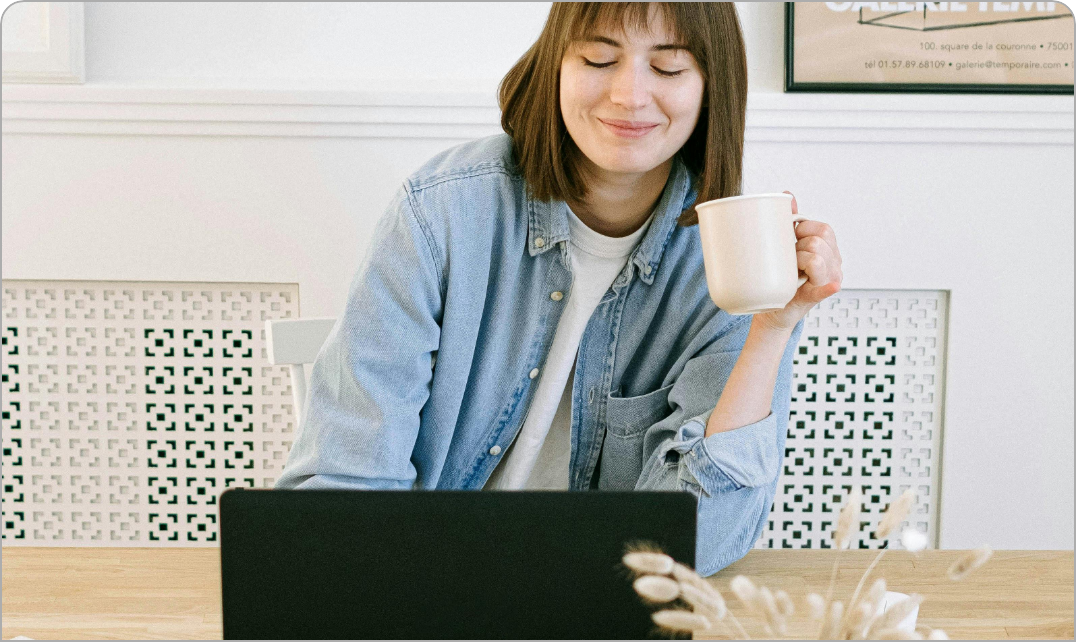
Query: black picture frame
(791, 85)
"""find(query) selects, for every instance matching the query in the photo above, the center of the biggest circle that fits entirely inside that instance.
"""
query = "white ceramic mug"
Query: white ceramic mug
(889, 601)
(749, 250)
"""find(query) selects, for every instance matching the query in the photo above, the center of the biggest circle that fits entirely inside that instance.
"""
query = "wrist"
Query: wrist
(762, 327)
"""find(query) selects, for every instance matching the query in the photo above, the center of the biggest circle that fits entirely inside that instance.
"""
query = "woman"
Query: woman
(533, 310)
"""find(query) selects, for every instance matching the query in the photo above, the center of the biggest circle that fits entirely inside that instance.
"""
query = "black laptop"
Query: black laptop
(442, 564)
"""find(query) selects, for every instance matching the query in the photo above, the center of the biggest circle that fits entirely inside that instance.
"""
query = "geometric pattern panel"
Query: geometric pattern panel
(867, 391)
(128, 407)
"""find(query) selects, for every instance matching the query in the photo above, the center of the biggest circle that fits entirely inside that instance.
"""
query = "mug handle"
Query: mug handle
(796, 218)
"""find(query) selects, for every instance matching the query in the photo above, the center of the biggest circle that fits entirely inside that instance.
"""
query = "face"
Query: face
(630, 100)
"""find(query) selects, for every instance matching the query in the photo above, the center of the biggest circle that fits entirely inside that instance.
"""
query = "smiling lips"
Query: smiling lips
(628, 128)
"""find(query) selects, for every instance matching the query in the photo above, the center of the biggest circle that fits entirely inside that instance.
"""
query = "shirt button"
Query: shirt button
(647, 269)
(534, 373)
(539, 242)
(496, 450)
(557, 296)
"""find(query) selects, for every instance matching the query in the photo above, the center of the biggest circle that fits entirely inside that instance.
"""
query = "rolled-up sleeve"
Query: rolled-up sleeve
(372, 376)
(733, 473)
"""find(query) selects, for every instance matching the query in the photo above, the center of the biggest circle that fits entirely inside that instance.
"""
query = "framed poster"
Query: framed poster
(43, 42)
(942, 47)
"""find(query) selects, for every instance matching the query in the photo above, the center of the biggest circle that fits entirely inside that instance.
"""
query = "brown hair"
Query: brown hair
(529, 96)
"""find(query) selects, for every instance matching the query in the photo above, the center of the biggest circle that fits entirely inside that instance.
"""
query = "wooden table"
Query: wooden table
(175, 593)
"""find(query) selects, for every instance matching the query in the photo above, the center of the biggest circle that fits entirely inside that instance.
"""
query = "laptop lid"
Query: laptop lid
(334, 564)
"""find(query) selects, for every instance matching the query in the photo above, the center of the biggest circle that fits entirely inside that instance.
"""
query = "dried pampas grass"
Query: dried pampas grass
(816, 606)
(699, 593)
(648, 562)
(745, 591)
(687, 575)
(831, 626)
(912, 540)
(856, 623)
(657, 589)
(894, 515)
(707, 602)
(696, 604)
(680, 620)
(848, 521)
(969, 562)
(877, 593)
(847, 525)
(785, 605)
(773, 618)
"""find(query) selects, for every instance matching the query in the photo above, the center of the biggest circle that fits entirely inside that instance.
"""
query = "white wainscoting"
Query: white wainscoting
(30, 109)
(970, 195)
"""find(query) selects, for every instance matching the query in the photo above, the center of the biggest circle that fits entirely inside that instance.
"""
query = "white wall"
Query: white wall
(158, 168)
(371, 43)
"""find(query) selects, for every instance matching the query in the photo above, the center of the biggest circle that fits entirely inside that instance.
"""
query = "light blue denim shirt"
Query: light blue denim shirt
(428, 374)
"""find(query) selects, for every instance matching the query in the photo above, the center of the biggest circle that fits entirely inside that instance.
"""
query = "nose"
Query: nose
(630, 88)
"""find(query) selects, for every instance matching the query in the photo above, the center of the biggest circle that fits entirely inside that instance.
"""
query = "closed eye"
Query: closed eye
(599, 65)
(661, 72)
(667, 74)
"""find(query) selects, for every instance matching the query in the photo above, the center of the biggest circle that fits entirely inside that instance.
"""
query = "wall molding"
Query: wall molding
(108, 109)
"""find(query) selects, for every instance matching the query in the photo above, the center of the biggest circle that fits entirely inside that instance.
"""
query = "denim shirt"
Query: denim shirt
(427, 376)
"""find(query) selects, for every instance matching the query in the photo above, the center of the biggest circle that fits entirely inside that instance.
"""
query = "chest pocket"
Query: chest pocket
(628, 416)
(627, 419)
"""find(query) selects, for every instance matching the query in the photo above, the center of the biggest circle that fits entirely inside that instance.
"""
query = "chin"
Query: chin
(625, 161)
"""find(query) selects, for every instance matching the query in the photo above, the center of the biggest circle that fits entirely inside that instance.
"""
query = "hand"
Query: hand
(818, 257)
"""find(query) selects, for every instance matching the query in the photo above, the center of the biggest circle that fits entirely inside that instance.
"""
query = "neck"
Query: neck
(618, 204)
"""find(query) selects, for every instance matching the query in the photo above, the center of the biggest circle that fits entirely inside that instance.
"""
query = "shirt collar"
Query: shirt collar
(548, 223)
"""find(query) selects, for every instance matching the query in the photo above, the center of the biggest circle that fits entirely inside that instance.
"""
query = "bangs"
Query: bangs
(529, 94)
(620, 17)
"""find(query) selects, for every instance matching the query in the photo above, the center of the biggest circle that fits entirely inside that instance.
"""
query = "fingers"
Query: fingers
(816, 229)
(814, 266)
(818, 256)
(821, 274)
(814, 244)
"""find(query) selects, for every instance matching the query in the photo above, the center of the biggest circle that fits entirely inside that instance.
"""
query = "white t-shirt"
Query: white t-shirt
(538, 458)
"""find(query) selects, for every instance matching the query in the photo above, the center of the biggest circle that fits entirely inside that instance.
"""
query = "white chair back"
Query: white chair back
(293, 342)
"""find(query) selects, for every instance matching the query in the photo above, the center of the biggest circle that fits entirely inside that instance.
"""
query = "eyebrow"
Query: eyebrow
(614, 43)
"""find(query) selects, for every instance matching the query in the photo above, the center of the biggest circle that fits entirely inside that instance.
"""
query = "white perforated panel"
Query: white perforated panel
(128, 407)
(866, 411)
